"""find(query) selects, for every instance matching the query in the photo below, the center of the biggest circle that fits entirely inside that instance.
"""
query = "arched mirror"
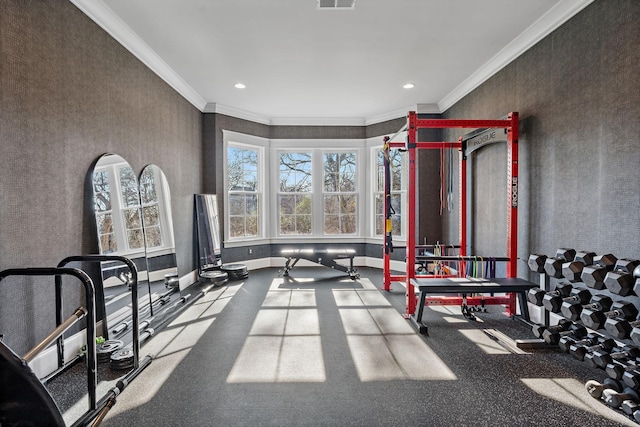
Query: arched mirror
(120, 232)
(155, 199)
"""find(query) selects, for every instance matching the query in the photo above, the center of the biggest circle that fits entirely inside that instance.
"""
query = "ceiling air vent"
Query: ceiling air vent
(336, 4)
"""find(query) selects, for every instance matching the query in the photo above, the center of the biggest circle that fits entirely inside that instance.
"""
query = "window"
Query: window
(294, 198)
(339, 191)
(398, 191)
(244, 195)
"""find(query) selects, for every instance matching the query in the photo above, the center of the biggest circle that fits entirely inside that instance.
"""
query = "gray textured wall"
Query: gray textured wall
(69, 93)
(578, 95)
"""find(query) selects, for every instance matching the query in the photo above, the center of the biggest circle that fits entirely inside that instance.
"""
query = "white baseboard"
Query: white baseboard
(46, 361)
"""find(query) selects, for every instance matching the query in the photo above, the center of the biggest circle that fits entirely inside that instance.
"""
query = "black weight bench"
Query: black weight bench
(469, 286)
(326, 257)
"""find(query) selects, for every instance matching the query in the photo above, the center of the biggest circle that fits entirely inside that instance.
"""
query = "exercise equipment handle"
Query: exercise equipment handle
(78, 314)
(90, 298)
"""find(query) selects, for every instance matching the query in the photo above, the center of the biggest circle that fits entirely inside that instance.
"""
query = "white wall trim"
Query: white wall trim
(543, 26)
(238, 113)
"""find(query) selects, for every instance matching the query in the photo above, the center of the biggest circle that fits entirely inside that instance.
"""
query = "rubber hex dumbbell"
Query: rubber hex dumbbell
(602, 357)
(536, 263)
(616, 369)
(572, 310)
(552, 336)
(631, 378)
(553, 303)
(615, 399)
(594, 317)
(593, 275)
(536, 295)
(566, 342)
(581, 351)
(539, 328)
(595, 388)
(620, 280)
(621, 328)
(553, 266)
(571, 270)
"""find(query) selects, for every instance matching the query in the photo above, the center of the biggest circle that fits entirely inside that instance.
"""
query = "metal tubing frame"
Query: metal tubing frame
(91, 315)
(511, 124)
(134, 300)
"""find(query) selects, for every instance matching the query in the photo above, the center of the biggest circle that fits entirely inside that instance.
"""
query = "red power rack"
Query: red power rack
(465, 147)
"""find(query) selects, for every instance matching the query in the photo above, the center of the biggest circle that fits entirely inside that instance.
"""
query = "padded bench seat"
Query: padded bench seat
(323, 256)
(470, 286)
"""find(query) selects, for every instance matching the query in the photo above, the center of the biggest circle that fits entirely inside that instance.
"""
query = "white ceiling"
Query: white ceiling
(302, 65)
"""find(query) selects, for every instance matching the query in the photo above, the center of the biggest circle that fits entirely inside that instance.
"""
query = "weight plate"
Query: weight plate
(107, 348)
(233, 268)
(122, 359)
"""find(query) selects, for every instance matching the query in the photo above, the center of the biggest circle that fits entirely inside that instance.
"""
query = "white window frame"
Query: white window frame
(250, 142)
(355, 193)
(375, 146)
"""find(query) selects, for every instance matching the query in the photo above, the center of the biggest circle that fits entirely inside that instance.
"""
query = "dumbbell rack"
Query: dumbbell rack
(547, 318)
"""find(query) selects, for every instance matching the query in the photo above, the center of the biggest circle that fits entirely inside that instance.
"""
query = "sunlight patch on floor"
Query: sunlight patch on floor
(483, 341)
(563, 390)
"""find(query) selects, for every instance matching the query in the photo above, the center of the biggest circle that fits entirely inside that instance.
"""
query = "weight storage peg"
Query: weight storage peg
(566, 342)
(620, 280)
(593, 275)
(553, 266)
(553, 303)
(595, 389)
(572, 310)
(594, 317)
(602, 358)
(572, 270)
(536, 295)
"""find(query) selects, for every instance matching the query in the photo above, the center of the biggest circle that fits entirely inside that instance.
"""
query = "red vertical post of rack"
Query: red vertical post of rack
(462, 190)
(386, 252)
(411, 212)
(512, 203)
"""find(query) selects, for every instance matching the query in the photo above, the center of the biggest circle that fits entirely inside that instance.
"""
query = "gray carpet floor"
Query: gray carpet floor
(317, 349)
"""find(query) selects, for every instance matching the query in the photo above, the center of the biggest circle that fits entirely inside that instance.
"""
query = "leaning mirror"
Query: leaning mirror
(155, 199)
(120, 232)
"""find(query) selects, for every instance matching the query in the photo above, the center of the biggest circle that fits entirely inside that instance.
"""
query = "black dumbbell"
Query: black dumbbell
(615, 399)
(593, 275)
(631, 377)
(602, 358)
(572, 310)
(552, 336)
(539, 328)
(594, 317)
(629, 407)
(553, 266)
(566, 342)
(536, 295)
(553, 303)
(581, 351)
(635, 335)
(536, 263)
(616, 369)
(572, 270)
(621, 328)
(620, 280)
(595, 389)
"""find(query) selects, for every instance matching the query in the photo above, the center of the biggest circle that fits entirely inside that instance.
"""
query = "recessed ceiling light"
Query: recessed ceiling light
(239, 86)
(409, 86)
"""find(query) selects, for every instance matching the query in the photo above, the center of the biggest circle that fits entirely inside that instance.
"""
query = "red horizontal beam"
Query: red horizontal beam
(433, 144)
(456, 123)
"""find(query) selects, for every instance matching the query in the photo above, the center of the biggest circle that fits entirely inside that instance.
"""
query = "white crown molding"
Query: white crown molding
(238, 113)
(102, 15)
(114, 26)
(543, 26)
(317, 121)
